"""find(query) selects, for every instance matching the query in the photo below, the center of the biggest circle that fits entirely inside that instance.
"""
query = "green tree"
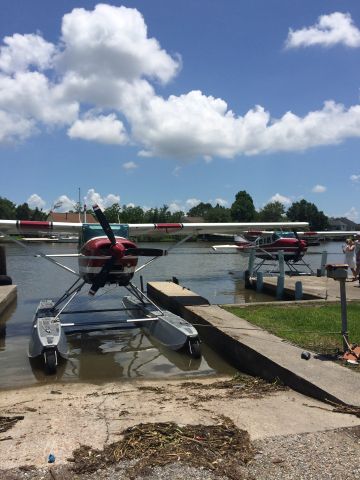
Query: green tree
(243, 209)
(304, 211)
(130, 214)
(218, 214)
(272, 212)
(113, 213)
(200, 210)
(38, 215)
(7, 209)
(23, 212)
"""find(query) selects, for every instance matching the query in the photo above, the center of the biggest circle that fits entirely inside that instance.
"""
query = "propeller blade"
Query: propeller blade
(105, 224)
(145, 252)
(101, 277)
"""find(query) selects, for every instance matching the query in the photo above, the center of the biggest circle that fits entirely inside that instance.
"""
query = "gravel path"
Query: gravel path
(333, 454)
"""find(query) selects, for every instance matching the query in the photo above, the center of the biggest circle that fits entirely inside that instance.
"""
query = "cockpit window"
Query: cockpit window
(90, 231)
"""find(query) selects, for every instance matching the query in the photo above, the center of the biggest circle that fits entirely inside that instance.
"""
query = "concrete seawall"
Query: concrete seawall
(255, 351)
(8, 294)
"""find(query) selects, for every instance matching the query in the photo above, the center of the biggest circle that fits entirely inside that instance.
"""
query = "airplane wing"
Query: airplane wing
(207, 228)
(149, 229)
(329, 234)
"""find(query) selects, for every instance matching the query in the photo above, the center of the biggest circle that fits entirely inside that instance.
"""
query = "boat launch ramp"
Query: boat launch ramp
(257, 352)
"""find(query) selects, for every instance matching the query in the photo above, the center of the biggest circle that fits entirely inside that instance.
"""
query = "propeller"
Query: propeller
(101, 277)
(145, 252)
(117, 250)
(105, 224)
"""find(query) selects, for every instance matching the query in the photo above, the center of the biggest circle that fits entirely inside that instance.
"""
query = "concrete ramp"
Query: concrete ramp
(255, 351)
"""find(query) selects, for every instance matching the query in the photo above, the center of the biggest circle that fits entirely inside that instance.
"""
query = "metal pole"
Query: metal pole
(281, 264)
(251, 262)
(79, 206)
(323, 262)
(344, 327)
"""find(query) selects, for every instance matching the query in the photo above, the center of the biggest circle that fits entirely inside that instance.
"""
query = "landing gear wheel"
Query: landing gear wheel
(50, 357)
(194, 348)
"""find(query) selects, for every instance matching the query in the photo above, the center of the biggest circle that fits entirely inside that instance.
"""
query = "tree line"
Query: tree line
(241, 210)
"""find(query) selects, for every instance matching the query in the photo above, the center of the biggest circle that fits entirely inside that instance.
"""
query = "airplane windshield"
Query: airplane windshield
(91, 231)
(285, 234)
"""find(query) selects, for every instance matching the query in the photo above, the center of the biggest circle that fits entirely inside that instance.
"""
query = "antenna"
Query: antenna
(79, 206)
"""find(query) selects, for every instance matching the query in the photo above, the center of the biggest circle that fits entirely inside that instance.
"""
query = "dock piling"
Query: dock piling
(298, 291)
(323, 262)
(259, 281)
(2, 260)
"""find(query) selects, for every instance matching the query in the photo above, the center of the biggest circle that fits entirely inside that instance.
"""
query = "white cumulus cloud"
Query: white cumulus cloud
(35, 201)
(129, 166)
(286, 201)
(352, 214)
(192, 202)
(103, 128)
(92, 197)
(106, 64)
(222, 202)
(355, 178)
(333, 29)
(319, 189)
(63, 204)
(23, 51)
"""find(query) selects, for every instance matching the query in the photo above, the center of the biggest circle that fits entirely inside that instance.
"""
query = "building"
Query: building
(342, 224)
(70, 217)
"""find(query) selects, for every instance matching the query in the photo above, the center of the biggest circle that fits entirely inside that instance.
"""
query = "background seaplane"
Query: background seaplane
(268, 245)
(106, 255)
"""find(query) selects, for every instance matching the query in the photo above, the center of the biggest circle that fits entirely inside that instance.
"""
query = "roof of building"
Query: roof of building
(344, 221)
(70, 217)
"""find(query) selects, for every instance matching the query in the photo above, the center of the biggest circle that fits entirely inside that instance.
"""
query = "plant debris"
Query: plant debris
(349, 409)
(241, 386)
(8, 422)
(218, 448)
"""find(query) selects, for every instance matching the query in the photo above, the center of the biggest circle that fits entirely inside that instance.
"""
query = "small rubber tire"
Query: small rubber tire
(50, 357)
(194, 348)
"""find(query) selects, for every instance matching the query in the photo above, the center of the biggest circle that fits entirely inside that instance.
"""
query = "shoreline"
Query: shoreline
(58, 418)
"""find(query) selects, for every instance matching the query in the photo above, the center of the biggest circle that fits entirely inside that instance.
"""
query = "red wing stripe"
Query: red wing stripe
(168, 226)
(32, 225)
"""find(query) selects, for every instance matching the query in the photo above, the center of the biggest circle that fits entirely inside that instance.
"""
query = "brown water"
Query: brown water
(100, 356)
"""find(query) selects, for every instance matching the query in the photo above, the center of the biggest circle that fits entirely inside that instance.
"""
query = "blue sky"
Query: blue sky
(158, 102)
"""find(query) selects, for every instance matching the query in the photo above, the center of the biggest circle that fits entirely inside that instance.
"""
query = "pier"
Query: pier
(257, 352)
(313, 288)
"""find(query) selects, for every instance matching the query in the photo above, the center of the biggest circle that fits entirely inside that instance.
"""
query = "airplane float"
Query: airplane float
(106, 255)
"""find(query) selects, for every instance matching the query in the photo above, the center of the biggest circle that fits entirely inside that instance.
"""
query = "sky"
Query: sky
(175, 102)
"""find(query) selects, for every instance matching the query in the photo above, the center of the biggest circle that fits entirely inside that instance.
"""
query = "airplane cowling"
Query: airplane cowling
(122, 270)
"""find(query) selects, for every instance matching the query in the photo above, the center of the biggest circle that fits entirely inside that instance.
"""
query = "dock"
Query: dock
(8, 294)
(314, 288)
(257, 352)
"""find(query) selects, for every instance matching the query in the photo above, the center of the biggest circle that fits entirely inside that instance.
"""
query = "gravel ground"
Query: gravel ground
(333, 454)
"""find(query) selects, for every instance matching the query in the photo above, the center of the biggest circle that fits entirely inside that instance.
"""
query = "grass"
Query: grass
(313, 327)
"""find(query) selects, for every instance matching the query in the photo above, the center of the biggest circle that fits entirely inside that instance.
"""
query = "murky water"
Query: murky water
(100, 356)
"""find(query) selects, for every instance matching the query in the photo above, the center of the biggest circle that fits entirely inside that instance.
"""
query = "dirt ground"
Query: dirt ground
(57, 419)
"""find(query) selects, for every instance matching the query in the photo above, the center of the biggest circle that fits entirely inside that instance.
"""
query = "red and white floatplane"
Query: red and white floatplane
(106, 255)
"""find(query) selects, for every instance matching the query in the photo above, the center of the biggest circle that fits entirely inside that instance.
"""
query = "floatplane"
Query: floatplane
(107, 256)
(268, 245)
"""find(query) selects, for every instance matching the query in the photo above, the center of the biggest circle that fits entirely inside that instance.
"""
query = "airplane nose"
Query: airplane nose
(118, 250)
